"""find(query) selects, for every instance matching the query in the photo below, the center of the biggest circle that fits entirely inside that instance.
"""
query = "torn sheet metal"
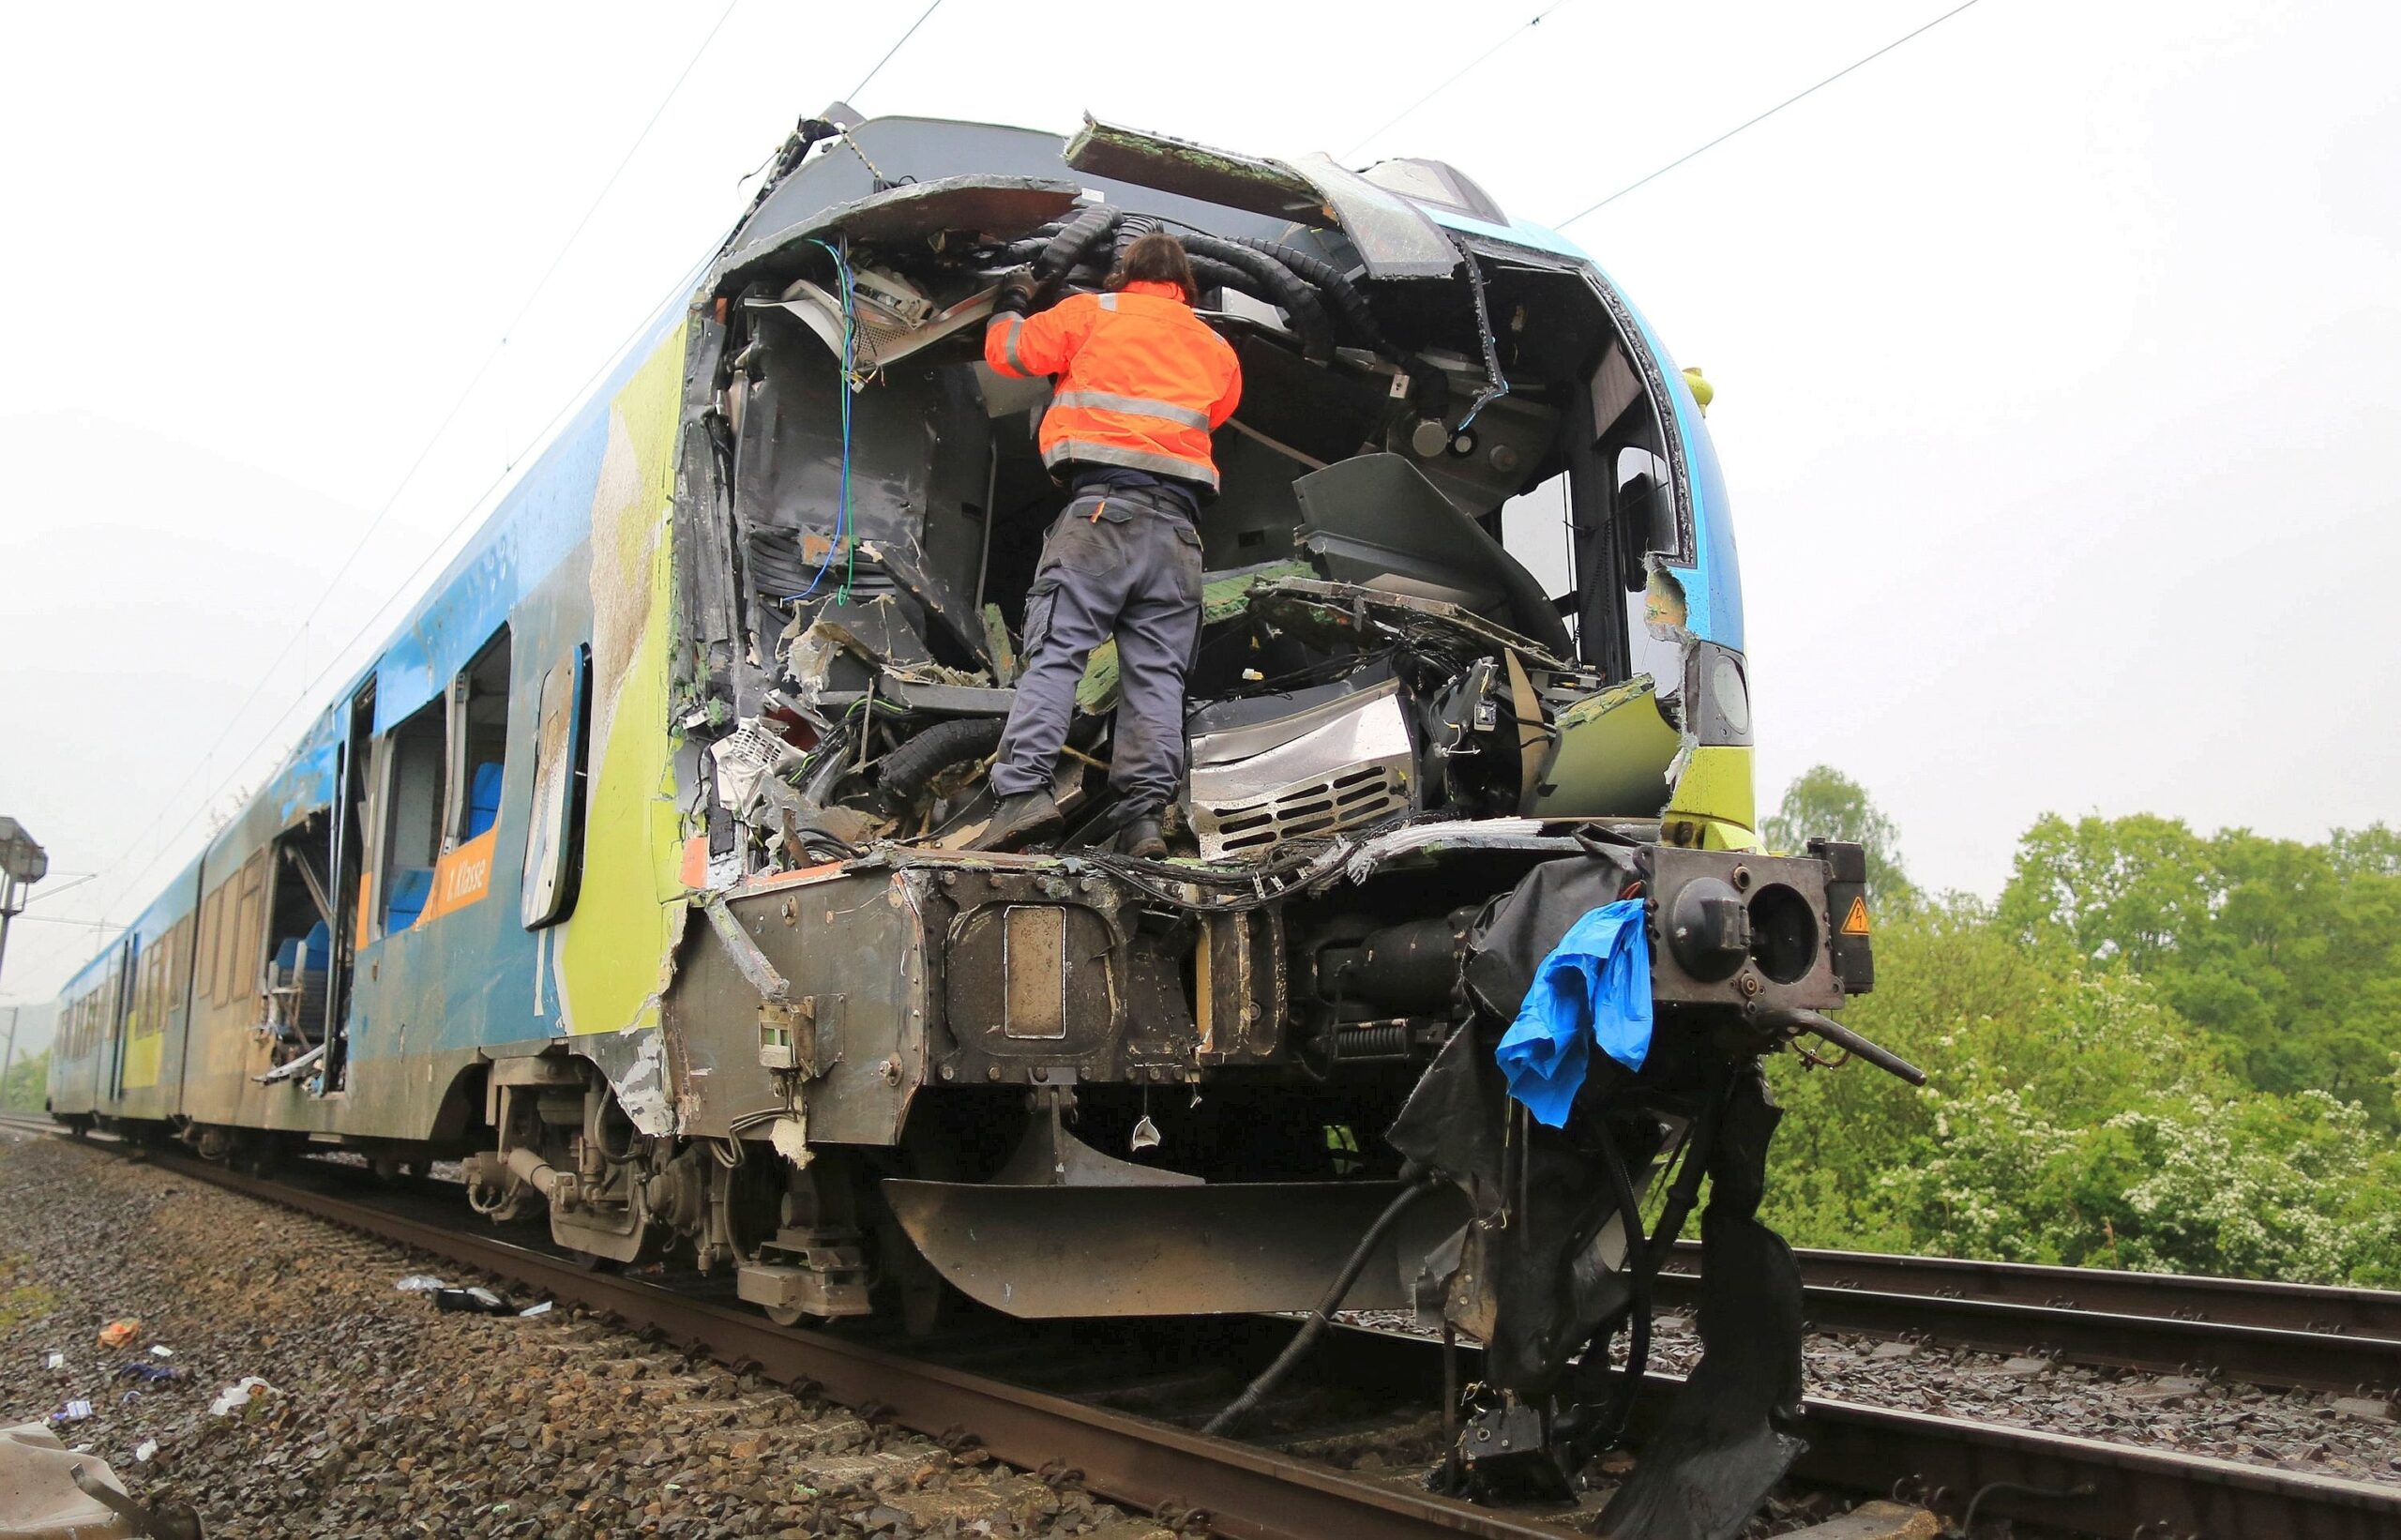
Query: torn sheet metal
(748, 757)
(1346, 766)
(1248, 182)
(1515, 834)
(893, 318)
(292, 1069)
(1001, 206)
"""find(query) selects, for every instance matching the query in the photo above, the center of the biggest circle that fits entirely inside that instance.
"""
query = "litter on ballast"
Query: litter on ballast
(74, 1411)
(144, 1450)
(482, 1302)
(542, 1309)
(53, 1360)
(159, 1349)
(117, 1333)
(418, 1283)
(150, 1374)
(240, 1393)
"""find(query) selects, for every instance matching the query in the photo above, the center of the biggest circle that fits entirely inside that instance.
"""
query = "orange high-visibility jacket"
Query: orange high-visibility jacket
(1141, 382)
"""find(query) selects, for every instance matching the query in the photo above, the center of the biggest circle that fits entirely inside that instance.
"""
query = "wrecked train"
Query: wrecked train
(631, 873)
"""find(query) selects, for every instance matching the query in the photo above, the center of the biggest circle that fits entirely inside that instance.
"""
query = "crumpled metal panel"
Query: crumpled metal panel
(1352, 767)
(1001, 207)
(1247, 182)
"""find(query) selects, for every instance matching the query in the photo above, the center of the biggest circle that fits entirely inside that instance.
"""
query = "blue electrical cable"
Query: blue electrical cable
(850, 375)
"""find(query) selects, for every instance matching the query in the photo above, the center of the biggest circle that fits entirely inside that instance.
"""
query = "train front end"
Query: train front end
(1464, 945)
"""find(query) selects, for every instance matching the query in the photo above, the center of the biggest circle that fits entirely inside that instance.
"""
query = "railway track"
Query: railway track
(2286, 1335)
(2070, 1485)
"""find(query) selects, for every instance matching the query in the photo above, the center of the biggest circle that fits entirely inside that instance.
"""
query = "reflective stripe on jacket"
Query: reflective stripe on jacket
(1141, 382)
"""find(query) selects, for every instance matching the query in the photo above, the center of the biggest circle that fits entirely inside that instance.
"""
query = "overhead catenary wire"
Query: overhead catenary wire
(417, 463)
(1761, 117)
(475, 509)
(899, 43)
(1454, 78)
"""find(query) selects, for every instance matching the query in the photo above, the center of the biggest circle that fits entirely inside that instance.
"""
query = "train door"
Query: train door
(119, 994)
(300, 920)
(347, 869)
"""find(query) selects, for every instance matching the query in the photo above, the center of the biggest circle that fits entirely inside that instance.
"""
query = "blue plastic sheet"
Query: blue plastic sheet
(1594, 987)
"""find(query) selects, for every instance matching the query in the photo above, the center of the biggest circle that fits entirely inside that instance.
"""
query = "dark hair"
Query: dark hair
(1157, 258)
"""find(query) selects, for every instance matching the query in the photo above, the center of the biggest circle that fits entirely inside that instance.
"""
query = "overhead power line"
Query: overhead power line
(407, 477)
(1454, 79)
(895, 48)
(475, 509)
(476, 505)
(1763, 117)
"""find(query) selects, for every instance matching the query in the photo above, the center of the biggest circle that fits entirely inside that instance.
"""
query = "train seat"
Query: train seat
(302, 967)
(483, 799)
(410, 887)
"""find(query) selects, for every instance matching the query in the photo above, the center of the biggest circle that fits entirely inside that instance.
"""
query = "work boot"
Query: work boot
(1019, 821)
(1140, 836)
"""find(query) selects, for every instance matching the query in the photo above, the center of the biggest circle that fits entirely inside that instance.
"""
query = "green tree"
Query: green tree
(2160, 1050)
(2288, 953)
(28, 1084)
(1822, 803)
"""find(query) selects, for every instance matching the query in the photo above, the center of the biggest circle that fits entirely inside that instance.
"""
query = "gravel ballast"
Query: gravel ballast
(390, 1418)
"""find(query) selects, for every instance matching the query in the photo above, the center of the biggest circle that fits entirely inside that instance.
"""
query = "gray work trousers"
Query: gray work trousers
(1120, 564)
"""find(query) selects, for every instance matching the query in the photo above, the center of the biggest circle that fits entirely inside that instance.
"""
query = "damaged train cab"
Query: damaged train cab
(635, 868)
(1471, 667)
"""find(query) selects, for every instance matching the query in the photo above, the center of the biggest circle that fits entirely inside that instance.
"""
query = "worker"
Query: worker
(1141, 384)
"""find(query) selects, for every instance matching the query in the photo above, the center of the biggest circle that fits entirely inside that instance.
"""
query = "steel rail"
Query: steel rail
(2084, 1485)
(2081, 1485)
(2259, 1355)
(2322, 1308)
(1249, 1493)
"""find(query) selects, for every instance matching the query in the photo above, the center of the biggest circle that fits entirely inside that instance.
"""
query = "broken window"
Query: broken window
(551, 837)
(301, 929)
(415, 758)
(1536, 529)
(478, 742)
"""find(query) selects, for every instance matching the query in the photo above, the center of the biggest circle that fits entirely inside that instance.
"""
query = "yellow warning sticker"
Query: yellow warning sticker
(1855, 922)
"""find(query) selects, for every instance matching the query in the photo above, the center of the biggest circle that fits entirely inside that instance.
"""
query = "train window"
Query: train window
(229, 924)
(239, 970)
(478, 742)
(413, 828)
(1534, 529)
(552, 856)
(1645, 504)
(204, 980)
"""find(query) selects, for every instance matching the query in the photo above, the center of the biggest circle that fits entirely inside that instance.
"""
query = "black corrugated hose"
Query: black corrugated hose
(1420, 1184)
(1284, 289)
(1431, 390)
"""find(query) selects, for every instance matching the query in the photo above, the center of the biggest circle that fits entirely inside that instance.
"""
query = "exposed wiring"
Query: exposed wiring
(848, 387)
(1763, 117)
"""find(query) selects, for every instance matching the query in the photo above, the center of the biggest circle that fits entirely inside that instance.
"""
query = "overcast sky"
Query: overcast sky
(2058, 352)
